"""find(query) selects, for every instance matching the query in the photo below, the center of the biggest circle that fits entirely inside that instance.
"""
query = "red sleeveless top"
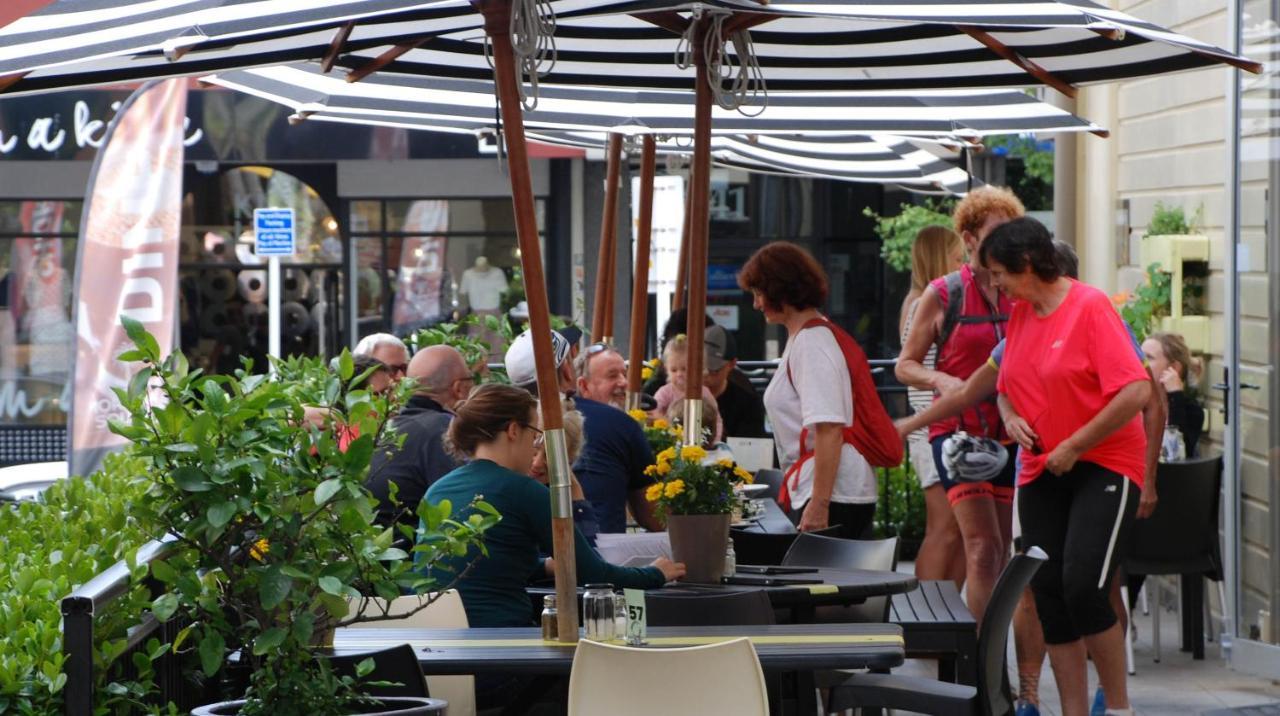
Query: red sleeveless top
(967, 350)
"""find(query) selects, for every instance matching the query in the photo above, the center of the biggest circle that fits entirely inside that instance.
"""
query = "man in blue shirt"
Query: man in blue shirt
(611, 467)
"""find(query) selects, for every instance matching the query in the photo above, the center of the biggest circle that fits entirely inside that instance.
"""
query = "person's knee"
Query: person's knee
(985, 553)
(1087, 603)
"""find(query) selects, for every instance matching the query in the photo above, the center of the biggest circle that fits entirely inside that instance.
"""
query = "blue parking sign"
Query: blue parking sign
(273, 232)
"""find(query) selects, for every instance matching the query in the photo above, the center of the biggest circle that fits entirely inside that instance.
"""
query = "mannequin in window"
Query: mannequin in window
(482, 286)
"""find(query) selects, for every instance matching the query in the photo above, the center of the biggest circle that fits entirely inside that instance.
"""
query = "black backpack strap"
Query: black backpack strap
(955, 305)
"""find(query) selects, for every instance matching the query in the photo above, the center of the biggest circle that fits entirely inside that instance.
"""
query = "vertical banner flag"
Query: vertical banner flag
(127, 259)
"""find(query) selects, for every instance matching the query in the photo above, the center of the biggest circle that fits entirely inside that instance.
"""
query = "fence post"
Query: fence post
(77, 644)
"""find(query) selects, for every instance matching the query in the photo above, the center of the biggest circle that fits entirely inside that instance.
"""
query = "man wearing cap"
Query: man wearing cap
(740, 405)
(611, 466)
(443, 380)
(523, 372)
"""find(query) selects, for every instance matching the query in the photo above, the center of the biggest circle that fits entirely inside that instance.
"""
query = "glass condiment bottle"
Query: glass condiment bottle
(599, 611)
(550, 618)
(730, 560)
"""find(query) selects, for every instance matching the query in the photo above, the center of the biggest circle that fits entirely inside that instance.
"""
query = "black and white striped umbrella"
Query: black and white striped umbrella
(798, 44)
(427, 101)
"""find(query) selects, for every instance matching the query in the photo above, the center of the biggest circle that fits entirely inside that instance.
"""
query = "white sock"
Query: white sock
(1120, 712)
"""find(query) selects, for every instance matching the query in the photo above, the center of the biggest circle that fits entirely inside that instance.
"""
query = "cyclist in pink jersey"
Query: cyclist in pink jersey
(965, 339)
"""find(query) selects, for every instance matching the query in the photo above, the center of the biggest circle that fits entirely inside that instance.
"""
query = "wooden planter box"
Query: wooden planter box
(1174, 253)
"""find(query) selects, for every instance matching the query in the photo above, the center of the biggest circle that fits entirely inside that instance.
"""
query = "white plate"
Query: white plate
(751, 489)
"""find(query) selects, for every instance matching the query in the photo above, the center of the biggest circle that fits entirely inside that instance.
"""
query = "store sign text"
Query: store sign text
(47, 134)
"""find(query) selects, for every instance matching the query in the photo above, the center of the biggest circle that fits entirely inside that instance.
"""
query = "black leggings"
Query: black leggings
(854, 519)
(1080, 520)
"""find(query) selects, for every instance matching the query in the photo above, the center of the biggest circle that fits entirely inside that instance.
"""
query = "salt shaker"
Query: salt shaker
(550, 618)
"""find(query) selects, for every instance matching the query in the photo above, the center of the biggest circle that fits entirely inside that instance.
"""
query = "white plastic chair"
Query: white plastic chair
(445, 613)
(707, 680)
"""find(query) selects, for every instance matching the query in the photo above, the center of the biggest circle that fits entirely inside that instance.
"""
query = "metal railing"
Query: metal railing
(78, 610)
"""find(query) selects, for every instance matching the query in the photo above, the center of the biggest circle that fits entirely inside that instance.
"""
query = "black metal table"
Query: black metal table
(781, 648)
(772, 520)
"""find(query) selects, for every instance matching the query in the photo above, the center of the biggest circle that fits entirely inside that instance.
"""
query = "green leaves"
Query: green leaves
(274, 587)
(220, 514)
(898, 233)
(191, 479)
(331, 585)
(326, 490)
(164, 606)
(268, 640)
(145, 342)
(212, 649)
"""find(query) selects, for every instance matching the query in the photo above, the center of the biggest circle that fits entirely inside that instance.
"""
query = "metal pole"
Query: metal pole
(1231, 428)
(497, 15)
(682, 265)
(273, 306)
(640, 286)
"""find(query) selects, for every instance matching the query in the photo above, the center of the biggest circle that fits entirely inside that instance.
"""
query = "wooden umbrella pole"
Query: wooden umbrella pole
(682, 267)
(699, 226)
(498, 25)
(640, 287)
(600, 310)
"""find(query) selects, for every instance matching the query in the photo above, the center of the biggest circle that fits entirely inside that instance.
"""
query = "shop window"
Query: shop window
(224, 284)
(437, 259)
(37, 266)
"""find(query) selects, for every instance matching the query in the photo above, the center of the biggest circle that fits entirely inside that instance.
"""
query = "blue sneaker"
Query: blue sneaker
(1026, 708)
(1099, 704)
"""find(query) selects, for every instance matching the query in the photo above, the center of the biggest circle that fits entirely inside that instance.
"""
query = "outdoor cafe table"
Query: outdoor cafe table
(781, 648)
(772, 519)
(838, 587)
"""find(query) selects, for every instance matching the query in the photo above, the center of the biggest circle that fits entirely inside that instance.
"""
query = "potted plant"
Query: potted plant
(696, 499)
(658, 431)
(276, 539)
(1176, 255)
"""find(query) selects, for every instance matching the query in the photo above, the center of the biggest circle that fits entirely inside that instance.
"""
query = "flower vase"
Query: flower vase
(700, 541)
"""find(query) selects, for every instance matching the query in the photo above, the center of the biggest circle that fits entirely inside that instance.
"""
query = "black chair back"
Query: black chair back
(397, 665)
(814, 550)
(1181, 536)
(772, 478)
(747, 607)
(767, 547)
(993, 635)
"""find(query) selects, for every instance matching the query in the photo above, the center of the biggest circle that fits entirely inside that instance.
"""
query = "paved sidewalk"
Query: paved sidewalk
(1177, 686)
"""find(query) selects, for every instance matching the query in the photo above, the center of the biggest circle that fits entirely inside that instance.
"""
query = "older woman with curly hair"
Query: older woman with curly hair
(810, 399)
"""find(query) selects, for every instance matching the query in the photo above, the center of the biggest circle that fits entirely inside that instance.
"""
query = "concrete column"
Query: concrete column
(1095, 181)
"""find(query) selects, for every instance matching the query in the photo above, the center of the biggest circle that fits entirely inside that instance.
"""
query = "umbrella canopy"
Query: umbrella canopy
(427, 101)
(806, 44)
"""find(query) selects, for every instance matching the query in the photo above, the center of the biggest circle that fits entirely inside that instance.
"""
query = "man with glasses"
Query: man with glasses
(611, 466)
(443, 380)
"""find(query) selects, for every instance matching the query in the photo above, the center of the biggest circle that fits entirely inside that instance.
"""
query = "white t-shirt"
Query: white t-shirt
(483, 289)
(818, 391)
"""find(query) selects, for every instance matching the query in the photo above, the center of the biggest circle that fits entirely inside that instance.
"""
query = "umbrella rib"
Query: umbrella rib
(11, 80)
(384, 59)
(335, 47)
(746, 21)
(667, 20)
(1003, 50)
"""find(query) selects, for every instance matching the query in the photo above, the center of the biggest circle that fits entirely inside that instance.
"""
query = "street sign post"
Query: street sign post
(274, 236)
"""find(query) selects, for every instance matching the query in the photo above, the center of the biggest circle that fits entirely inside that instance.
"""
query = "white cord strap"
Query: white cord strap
(533, 42)
(736, 79)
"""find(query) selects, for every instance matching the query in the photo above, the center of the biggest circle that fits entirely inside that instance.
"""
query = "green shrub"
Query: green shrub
(898, 233)
(900, 507)
(48, 548)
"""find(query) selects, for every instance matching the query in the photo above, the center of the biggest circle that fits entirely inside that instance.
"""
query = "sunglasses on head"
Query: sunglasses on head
(597, 347)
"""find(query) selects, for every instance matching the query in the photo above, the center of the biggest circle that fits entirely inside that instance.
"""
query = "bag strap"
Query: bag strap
(954, 283)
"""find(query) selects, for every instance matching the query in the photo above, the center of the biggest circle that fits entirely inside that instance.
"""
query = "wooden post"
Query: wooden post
(640, 286)
(699, 225)
(498, 24)
(682, 266)
(601, 325)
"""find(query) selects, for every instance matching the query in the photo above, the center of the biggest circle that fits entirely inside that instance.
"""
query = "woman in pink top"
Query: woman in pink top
(1070, 372)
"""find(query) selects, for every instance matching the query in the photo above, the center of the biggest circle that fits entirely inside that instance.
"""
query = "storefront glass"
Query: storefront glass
(37, 264)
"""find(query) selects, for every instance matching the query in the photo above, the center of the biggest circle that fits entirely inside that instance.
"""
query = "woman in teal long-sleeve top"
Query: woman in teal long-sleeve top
(495, 430)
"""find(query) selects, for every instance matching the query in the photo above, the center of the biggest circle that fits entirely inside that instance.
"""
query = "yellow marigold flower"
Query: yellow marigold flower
(725, 462)
(651, 471)
(646, 373)
(692, 452)
(638, 415)
(675, 487)
(664, 468)
(666, 455)
(678, 431)
(654, 492)
(743, 475)
(661, 424)
(260, 549)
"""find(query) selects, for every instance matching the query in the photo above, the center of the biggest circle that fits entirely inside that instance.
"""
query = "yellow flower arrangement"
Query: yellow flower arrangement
(639, 416)
(646, 373)
(260, 549)
(689, 484)
(661, 424)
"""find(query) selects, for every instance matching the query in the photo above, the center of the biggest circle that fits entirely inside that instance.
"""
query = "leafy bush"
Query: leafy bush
(1147, 304)
(1166, 220)
(900, 507)
(898, 233)
(47, 549)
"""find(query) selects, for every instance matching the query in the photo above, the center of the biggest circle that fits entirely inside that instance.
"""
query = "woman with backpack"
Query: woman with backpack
(964, 316)
(827, 419)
